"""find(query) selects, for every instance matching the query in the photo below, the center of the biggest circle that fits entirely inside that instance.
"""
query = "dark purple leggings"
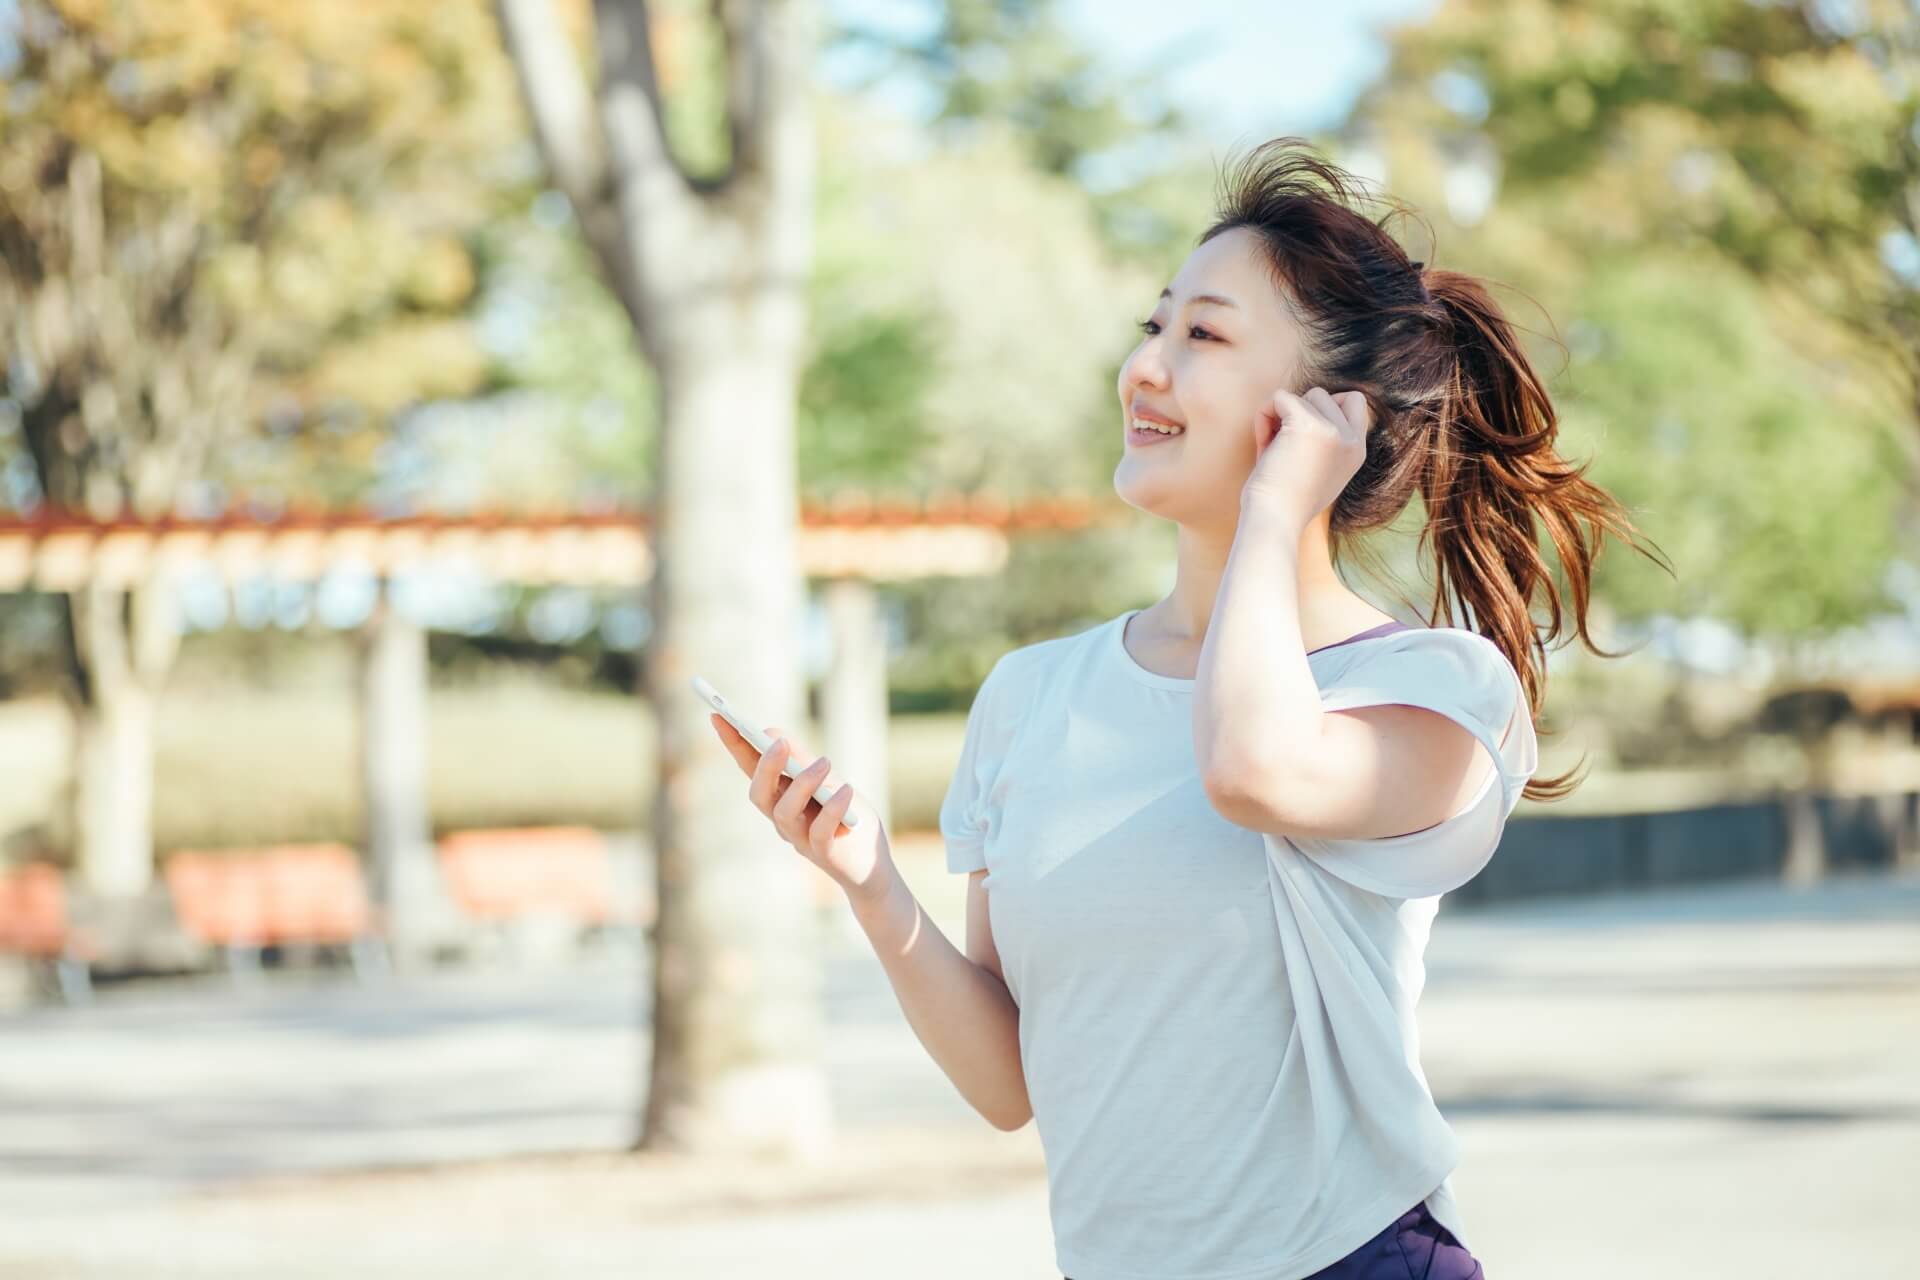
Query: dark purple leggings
(1413, 1247)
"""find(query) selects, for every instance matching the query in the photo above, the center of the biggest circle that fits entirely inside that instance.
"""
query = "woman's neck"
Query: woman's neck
(1329, 610)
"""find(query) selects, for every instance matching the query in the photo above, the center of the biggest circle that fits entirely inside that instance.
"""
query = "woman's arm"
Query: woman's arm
(960, 1008)
(961, 1011)
(1256, 708)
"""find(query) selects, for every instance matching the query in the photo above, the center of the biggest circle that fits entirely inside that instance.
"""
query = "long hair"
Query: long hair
(1459, 414)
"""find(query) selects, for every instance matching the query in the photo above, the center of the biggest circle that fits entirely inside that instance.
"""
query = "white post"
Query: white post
(854, 693)
(405, 882)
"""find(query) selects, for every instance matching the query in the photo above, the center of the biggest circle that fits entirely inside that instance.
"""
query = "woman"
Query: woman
(1205, 840)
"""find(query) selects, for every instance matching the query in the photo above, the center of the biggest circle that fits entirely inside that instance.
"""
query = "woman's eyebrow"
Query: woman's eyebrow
(1199, 298)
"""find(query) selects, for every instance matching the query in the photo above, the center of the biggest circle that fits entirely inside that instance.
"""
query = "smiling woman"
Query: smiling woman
(1208, 838)
(1292, 291)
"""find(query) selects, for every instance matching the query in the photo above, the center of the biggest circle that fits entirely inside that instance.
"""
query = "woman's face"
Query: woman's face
(1218, 344)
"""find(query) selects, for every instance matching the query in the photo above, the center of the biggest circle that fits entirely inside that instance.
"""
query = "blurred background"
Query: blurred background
(399, 403)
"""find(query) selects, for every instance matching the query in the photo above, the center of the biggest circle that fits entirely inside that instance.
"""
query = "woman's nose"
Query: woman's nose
(1144, 368)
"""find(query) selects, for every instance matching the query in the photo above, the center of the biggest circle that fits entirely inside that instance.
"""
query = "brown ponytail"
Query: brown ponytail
(1459, 415)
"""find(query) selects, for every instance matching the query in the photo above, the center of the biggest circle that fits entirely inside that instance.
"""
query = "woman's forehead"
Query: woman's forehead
(1229, 267)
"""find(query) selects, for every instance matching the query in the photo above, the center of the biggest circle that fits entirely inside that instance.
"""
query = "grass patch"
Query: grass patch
(238, 767)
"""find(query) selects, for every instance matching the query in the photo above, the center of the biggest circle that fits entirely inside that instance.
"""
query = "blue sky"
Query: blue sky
(1273, 67)
(1277, 67)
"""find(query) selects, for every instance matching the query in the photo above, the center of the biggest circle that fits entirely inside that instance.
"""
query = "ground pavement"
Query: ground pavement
(1722, 1081)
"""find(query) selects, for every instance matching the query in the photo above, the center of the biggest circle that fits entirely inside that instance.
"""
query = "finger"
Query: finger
(1266, 425)
(1289, 407)
(766, 776)
(1358, 410)
(791, 806)
(1289, 411)
(744, 753)
(796, 751)
(827, 825)
(1322, 400)
(789, 814)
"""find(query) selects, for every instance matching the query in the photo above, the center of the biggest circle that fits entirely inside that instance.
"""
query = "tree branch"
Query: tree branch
(566, 126)
(744, 32)
(786, 33)
(557, 99)
(771, 46)
(630, 107)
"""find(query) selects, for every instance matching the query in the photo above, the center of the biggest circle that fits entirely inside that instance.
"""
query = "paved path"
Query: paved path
(1711, 1082)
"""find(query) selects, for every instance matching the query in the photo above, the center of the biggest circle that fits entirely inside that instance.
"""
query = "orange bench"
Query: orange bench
(501, 874)
(34, 923)
(311, 894)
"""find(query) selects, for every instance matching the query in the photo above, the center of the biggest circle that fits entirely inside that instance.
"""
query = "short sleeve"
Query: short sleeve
(1464, 676)
(964, 820)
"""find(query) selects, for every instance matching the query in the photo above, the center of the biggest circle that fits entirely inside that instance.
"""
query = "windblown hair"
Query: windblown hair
(1459, 414)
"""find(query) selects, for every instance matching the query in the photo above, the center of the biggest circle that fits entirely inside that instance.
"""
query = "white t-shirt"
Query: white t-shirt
(1216, 1025)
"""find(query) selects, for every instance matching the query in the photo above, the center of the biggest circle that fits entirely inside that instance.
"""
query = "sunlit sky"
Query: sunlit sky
(1238, 68)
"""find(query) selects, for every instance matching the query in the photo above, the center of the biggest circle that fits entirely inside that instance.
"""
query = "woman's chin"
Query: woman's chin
(1173, 496)
(1151, 494)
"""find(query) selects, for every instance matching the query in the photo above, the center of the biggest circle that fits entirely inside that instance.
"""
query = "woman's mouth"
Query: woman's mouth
(1145, 431)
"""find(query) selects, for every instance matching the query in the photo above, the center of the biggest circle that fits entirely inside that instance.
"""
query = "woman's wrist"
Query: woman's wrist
(1273, 514)
(880, 883)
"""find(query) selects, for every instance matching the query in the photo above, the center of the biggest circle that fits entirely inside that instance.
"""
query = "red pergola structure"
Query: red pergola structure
(851, 543)
(852, 536)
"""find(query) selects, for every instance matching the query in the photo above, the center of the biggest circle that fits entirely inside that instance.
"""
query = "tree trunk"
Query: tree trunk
(123, 643)
(113, 790)
(737, 974)
(712, 272)
(1806, 861)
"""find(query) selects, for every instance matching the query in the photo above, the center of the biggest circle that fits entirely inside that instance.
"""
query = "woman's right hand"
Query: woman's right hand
(858, 859)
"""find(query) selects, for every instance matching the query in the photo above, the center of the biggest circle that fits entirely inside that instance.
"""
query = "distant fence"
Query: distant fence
(1543, 856)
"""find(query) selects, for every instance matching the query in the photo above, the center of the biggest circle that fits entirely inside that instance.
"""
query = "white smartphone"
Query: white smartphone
(762, 743)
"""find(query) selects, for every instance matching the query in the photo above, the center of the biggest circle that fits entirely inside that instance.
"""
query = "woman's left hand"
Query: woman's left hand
(1306, 449)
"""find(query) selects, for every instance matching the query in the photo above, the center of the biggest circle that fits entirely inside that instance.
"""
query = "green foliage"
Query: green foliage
(1013, 65)
(1702, 198)
(1785, 136)
(984, 296)
(1771, 482)
(219, 211)
(579, 400)
(861, 398)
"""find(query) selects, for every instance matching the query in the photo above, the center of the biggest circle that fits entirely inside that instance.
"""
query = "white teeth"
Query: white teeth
(1142, 424)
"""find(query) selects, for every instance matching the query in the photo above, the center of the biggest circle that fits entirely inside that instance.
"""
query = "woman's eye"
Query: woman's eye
(1150, 328)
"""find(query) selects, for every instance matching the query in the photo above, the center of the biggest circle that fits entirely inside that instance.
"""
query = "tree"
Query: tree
(1785, 136)
(971, 319)
(1012, 68)
(1710, 202)
(207, 214)
(711, 266)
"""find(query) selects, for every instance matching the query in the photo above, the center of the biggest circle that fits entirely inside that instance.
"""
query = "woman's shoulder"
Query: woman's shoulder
(1421, 637)
(1427, 658)
(1032, 661)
